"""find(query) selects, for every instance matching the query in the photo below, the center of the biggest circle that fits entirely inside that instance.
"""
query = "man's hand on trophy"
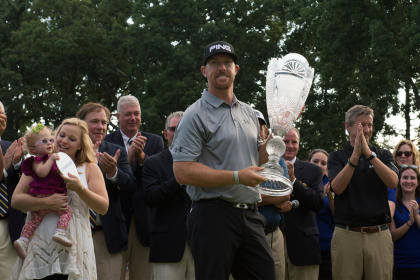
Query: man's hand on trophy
(250, 177)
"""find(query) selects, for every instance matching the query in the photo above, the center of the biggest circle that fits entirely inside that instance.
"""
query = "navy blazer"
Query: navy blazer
(15, 218)
(301, 228)
(113, 222)
(133, 201)
(171, 205)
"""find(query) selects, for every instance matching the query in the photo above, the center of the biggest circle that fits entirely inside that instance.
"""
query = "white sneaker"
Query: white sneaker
(21, 245)
(61, 238)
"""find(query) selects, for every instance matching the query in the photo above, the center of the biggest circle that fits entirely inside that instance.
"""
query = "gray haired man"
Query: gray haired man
(361, 247)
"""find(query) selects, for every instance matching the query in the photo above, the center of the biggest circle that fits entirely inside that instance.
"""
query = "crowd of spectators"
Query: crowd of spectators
(192, 210)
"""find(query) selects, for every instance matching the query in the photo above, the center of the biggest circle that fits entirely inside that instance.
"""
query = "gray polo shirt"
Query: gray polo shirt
(222, 137)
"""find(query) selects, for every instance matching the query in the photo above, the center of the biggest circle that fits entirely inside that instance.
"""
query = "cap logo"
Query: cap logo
(220, 46)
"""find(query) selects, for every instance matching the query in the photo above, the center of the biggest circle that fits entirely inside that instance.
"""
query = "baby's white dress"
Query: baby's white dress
(45, 257)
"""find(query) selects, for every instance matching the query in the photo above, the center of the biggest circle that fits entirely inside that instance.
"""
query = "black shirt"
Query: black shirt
(365, 200)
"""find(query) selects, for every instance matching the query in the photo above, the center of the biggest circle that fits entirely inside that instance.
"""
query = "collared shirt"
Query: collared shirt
(222, 137)
(293, 161)
(365, 200)
(127, 139)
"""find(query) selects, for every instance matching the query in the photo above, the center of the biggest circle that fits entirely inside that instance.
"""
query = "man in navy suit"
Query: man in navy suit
(11, 224)
(110, 232)
(170, 256)
(139, 145)
(303, 253)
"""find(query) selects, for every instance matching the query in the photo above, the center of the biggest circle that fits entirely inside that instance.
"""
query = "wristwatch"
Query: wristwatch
(351, 164)
(372, 156)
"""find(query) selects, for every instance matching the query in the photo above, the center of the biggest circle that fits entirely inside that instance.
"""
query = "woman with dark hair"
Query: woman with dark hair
(405, 224)
(324, 217)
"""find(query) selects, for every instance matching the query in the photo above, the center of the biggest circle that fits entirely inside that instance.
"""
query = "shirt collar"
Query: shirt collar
(126, 139)
(216, 101)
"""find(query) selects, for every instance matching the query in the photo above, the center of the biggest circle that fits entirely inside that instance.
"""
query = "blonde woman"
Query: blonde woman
(48, 260)
(405, 152)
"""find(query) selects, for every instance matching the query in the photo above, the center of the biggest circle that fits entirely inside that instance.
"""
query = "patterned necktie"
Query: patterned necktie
(4, 200)
(92, 218)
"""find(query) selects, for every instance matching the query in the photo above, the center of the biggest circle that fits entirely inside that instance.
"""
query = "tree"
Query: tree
(359, 54)
(170, 37)
(60, 54)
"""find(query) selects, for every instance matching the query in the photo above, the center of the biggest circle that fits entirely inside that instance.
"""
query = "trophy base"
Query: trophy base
(279, 186)
(275, 184)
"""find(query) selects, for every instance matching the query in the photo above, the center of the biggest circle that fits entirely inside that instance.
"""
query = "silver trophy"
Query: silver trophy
(289, 80)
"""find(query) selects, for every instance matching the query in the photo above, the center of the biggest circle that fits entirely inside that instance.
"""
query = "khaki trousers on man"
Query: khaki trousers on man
(275, 241)
(137, 258)
(182, 270)
(357, 255)
(8, 254)
(108, 265)
(300, 272)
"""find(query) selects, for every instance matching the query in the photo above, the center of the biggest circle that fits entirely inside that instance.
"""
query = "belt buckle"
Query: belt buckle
(369, 229)
(362, 229)
(241, 205)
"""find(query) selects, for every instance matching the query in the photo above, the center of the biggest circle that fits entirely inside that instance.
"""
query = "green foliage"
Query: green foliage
(59, 54)
(362, 52)
(168, 44)
(56, 55)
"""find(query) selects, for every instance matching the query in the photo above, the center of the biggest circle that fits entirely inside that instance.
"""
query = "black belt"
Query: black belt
(364, 229)
(245, 206)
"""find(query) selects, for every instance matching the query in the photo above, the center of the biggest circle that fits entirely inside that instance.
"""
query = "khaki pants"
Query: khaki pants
(275, 241)
(8, 254)
(108, 265)
(136, 258)
(357, 255)
(182, 270)
(303, 272)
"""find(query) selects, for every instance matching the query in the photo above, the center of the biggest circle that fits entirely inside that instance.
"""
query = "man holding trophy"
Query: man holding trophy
(216, 154)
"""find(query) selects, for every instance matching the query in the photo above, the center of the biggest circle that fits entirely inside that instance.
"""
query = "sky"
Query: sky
(398, 122)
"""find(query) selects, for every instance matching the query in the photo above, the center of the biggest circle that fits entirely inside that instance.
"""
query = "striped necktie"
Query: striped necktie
(4, 200)
(92, 218)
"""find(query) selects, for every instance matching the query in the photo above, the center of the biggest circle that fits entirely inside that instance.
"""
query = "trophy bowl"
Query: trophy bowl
(288, 82)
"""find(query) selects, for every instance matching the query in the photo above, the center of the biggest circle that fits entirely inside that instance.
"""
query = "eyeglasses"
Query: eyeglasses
(171, 128)
(46, 141)
(413, 166)
(405, 153)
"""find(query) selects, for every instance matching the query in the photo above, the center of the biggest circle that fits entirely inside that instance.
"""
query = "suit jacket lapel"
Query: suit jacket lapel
(119, 138)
